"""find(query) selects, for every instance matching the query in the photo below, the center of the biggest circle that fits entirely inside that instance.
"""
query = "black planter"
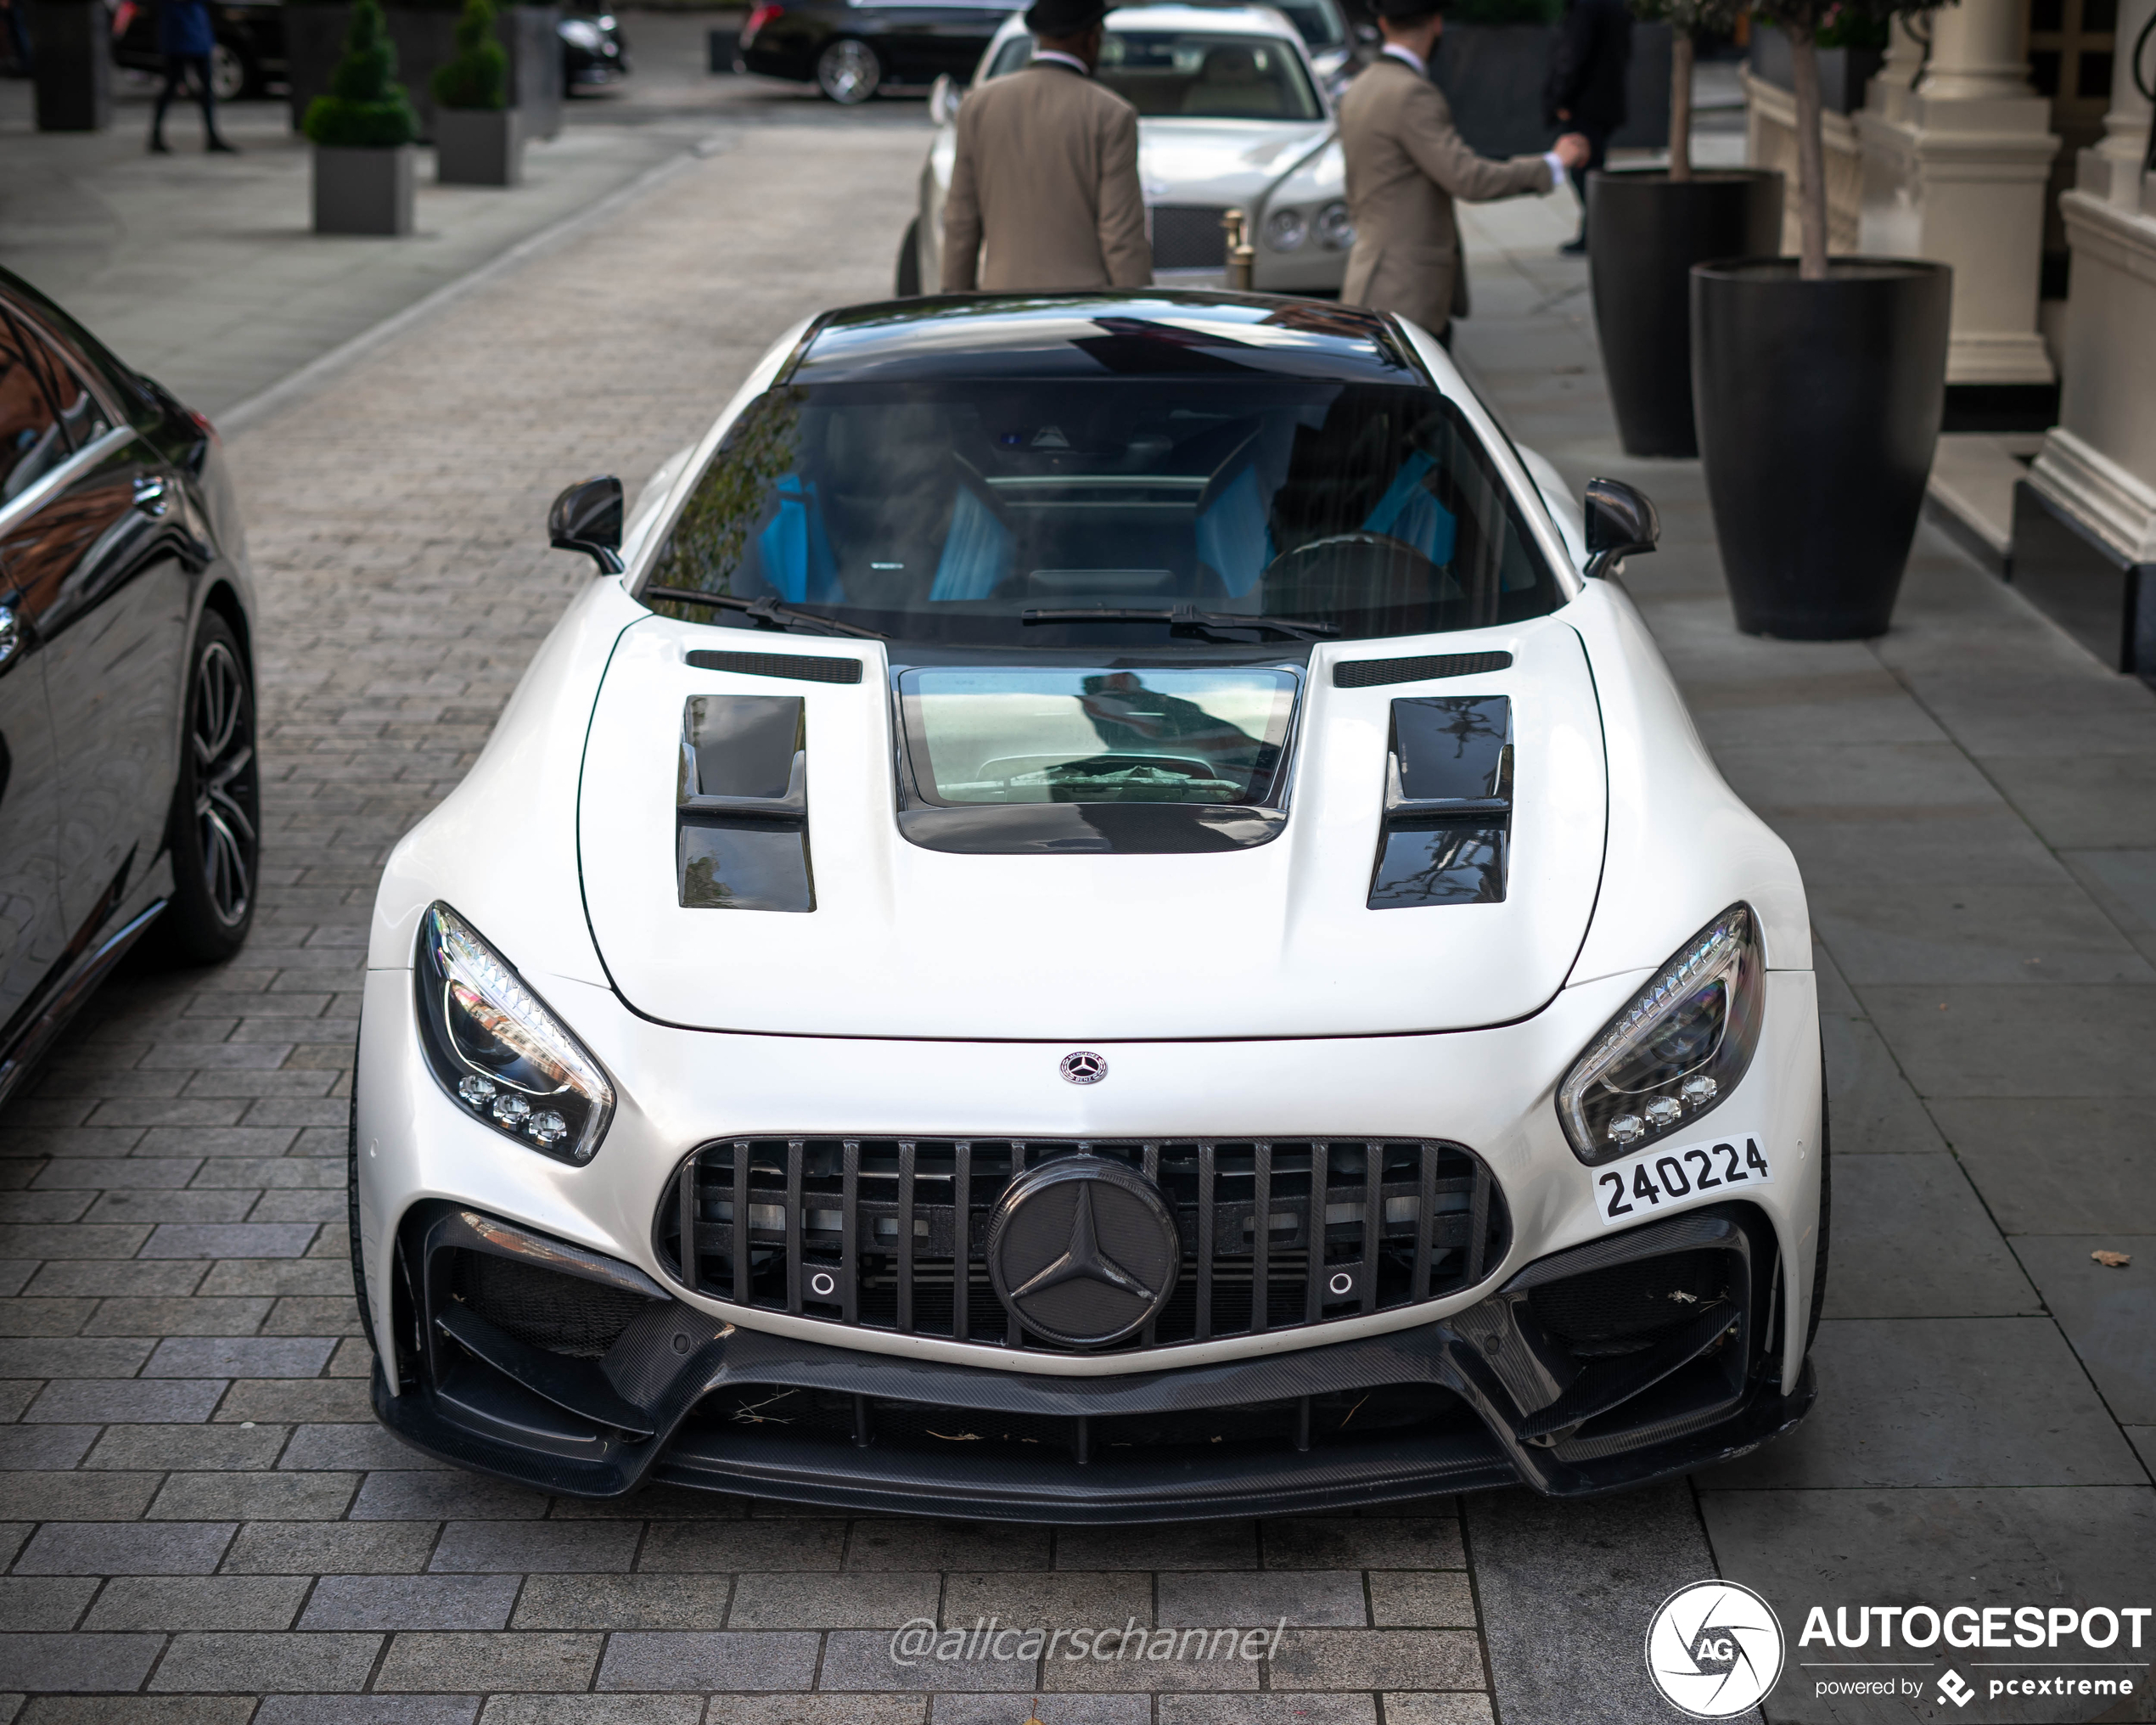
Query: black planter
(1818, 405)
(1645, 231)
(70, 46)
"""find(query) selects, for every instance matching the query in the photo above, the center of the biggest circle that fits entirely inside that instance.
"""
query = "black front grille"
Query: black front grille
(540, 1308)
(1189, 236)
(1375, 673)
(889, 1234)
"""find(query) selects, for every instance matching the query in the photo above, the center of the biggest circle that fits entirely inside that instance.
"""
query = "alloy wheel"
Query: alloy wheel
(848, 72)
(221, 732)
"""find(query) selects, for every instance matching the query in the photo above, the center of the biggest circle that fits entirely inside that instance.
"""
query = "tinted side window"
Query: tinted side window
(32, 442)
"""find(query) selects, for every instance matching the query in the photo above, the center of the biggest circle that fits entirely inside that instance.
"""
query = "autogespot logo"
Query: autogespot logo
(1713, 1649)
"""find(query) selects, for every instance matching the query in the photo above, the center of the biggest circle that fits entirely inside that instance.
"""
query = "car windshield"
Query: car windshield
(1193, 75)
(1318, 22)
(985, 512)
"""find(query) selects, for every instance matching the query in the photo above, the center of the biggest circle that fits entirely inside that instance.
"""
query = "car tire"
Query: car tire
(229, 77)
(1826, 1211)
(908, 283)
(215, 832)
(849, 71)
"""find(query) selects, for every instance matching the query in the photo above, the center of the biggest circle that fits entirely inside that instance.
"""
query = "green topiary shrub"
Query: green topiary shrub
(477, 75)
(366, 108)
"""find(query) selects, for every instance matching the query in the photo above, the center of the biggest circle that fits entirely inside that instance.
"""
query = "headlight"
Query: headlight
(1334, 231)
(1676, 1050)
(497, 1049)
(582, 31)
(1286, 229)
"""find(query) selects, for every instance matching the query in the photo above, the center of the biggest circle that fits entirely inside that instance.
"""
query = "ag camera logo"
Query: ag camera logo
(1713, 1649)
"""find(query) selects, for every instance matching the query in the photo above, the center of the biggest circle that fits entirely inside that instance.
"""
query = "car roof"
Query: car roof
(1146, 333)
(1209, 18)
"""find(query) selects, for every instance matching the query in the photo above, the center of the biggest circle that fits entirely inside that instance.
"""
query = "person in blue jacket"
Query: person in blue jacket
(186, 40)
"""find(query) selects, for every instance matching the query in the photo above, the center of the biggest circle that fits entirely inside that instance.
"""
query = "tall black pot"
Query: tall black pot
(1645, 231)
(1818, 405)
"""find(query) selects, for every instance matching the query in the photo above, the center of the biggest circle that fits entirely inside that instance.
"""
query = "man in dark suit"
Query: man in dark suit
(1586, 92)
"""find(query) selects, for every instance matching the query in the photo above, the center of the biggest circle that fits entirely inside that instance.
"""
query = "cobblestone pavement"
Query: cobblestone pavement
(203, 1522)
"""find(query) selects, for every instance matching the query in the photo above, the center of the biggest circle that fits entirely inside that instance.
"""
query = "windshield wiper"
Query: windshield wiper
(768, 612)
(1181, 617)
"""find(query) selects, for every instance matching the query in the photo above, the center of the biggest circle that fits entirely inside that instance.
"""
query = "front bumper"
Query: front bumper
(1514, 1390)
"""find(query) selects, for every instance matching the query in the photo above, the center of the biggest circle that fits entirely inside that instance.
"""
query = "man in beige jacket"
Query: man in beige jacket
(1405, 164)
(1044, 192)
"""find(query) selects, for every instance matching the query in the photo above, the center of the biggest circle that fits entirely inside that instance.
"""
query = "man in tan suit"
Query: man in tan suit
(1405, 164)
(1044, 194)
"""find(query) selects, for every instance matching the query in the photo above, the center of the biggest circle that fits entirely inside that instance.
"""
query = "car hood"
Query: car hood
(1274, 940)
(1209, 160)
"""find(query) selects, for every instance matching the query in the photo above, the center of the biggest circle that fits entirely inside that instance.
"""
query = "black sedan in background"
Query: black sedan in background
(129, 786)
(849, 50)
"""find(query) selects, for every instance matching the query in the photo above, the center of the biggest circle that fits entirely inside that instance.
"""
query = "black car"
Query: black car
(851, 51)
(594, 53)
(129, 787)
(247, 58)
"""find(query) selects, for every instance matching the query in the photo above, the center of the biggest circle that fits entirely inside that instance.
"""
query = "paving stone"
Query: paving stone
(352, 1357)
(516, 1547)
(334, 1314)
(39, 1496)
(1274, 1709)
(490, 1662)
(1186, 1545)
(1372, 1659)
(77, 1662)
(2090, 1042)
(1210, 1668)
(20, 1208)
(1320, 1543)
(638, 1602)
(140, 1709)
(1057, 1598)
(862, 1658)
(413, 1602)
(1568, 1589)
(654, 1503)
(413, 1494)
(251, 1141)
(1872, 1107)
(2143, 1439)
(1469, 1707)
(133, 1278)
(302, 1548)
(190, 1447)
(253, 1496)
(368, 1709)
(363, 1446)
(178, 1317)
(2058, 1166)
(44, 1318)
(222, 1662)
(1421, 1599)
(275, 1173)
(23, 1446)
(230, 1240)
(309, 1276)
(1064, 1710)
(2108, 1315)
(44, 1602)
(810, 1601)
(294, 1401)
(1910, 1240)
(172, 1209)
(712, 1547)
(605, 1709)
(819, 1710)
(259, 1356)
(1328, 1598)
(124, 1549)
(21, 1242)
(198, 1602)
(74, 1358)
(2015, 934)
(879, 1544)
(1949, 1402)
(125, 1400)
(15, 1397)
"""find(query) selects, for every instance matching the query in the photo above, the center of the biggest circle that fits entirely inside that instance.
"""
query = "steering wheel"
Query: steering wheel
(1292, 564)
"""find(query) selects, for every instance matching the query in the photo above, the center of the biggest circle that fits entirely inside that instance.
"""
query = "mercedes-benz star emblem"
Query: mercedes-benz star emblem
(1083, 1250)
(1084, 1067)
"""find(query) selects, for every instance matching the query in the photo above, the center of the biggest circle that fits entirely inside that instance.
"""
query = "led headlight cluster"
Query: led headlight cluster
(496, 1048)
(1288, 229)
(1679, 1046)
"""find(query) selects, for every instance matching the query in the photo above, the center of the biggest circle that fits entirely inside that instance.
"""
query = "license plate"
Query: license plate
(1668, 1175)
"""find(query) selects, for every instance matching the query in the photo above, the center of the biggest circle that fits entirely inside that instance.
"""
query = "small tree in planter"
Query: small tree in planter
(477, 140)
(1819, 384)
(1647, 229)
(362, 133)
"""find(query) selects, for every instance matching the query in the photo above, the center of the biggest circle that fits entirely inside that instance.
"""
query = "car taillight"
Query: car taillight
(757, 19)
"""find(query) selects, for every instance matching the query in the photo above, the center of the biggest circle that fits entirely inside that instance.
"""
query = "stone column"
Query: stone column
(2098, 463)
(1954, 171)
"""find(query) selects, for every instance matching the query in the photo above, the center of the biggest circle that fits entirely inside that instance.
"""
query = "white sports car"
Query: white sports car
(1103, 914)
(1233, 114)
